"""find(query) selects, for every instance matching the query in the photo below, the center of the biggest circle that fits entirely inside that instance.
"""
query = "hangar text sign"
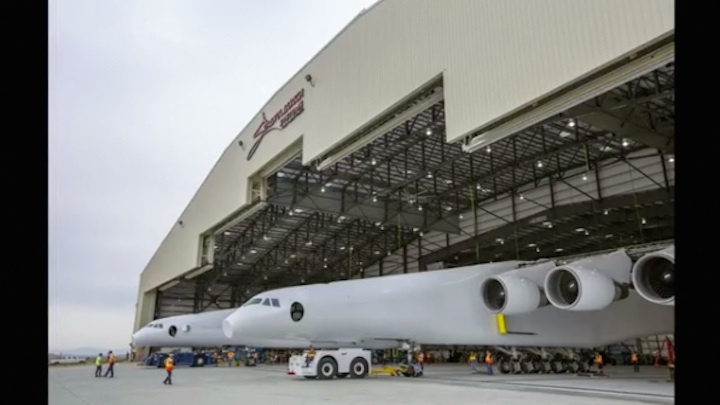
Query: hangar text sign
(281, 119)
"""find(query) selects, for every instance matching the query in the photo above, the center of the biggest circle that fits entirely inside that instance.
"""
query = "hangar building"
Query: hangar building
(431, 134)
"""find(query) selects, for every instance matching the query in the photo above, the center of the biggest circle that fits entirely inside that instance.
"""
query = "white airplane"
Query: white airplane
(199, 330)
(588, 303)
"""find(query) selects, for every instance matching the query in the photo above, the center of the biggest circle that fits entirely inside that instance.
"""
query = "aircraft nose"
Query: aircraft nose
(137, 337)
(230, 325)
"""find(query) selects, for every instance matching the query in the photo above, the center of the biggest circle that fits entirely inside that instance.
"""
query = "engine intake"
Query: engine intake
(589, 284)
(653, 276)
(517, 291)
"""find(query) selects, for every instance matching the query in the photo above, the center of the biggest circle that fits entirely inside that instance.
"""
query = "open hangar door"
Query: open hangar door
(597, 176)
(194, 295)
(399, 198)
(591, 86)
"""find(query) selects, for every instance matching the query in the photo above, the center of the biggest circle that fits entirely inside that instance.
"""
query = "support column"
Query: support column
(638, 347)
(405, 258)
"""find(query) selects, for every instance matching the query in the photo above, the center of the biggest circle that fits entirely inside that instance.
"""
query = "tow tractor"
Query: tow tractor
(341, 363)
(329, 364)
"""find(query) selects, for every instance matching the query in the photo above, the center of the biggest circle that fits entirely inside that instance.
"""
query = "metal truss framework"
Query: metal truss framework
(325, 225)
(569, 229)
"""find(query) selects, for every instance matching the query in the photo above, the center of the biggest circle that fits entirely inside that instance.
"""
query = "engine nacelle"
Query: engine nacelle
(653, 276)
(517, 291)
(589, 284)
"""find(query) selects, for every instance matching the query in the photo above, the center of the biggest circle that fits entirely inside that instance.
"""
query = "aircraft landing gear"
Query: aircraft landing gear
(578, 366)
(527, 367)
(505, 366)
(510, 366)
(538, 360)
(411, 368)
(558, 366)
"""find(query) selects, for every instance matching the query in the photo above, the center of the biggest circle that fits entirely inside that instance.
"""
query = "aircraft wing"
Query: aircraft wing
(364, 342)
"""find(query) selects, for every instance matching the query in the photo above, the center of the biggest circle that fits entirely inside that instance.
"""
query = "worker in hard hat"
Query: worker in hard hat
(309, 356)
(489, 360)
(169, 367)
(111, 364)
(473, 362)
(599, 362)
(98, 365)
(634, 361)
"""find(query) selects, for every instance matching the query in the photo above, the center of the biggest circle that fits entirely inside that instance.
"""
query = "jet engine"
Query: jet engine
(653, 276)
(517, 291)
(589, 284)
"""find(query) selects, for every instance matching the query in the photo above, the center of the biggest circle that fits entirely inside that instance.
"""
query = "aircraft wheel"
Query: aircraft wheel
(537, 367)
(574, 367)
(583, 367)
(199, 361)
(358, 368)
(517, 367)
(327, 368)
(505, 366)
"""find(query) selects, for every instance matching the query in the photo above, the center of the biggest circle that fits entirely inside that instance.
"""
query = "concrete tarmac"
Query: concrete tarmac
(266, 384)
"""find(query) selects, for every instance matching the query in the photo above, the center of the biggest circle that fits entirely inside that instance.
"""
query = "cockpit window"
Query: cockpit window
(268, 302)
(253, 301)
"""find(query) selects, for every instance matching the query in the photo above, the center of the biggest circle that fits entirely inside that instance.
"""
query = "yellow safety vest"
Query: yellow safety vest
(473, 357)
(169, 364)
(98, 360)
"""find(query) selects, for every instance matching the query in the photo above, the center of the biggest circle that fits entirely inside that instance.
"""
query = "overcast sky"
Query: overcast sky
(144, 97)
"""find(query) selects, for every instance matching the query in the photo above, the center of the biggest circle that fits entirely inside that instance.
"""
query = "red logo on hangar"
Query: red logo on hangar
(281, 119)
